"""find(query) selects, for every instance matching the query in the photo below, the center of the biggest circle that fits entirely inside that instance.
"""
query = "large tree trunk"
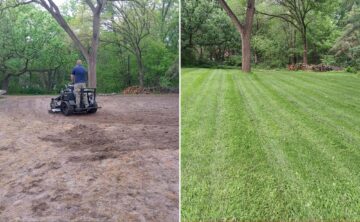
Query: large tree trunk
(94, 48)
(92, 71)
(246, 53)
(244, 30)
(90, 55)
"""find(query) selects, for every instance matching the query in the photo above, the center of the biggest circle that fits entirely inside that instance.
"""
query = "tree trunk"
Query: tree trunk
(293, 48)
(140, 66)
(305, 59)
(255, 57)
(94, 48)
(30, 78)
(128, 76)
(48, 82)
(291, 45)
(5, 83)
(246, 53)
(92, 71)
(244, 30)
(90, 55)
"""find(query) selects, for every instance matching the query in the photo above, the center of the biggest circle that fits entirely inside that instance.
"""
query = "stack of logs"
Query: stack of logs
(148, 90)
(316, 68)
(135, 90)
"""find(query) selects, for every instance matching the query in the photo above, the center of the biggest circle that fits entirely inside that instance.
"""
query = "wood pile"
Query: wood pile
(148, 90)
(135, 90)
(325, 68)
(298, 66)
(316, 68)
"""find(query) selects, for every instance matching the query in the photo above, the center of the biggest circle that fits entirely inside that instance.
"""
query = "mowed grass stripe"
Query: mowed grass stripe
(335, 117)
(338, 80)
(335, 80)
(239, 160)
(270, 156)
(342, 97)
(333, 89)
(326, 89)
(344, 119)
(270, 119)
(198, 141)
(344, 156)
(217, 184)
(192, 84)
(325, 160)
(336, 105)
(307, 115)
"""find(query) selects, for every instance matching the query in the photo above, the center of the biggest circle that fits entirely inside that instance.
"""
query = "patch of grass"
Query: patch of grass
(270, 145)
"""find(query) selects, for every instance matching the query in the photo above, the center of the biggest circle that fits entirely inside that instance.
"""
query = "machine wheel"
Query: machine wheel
(53, 104)
(66, 108)
(93, 110)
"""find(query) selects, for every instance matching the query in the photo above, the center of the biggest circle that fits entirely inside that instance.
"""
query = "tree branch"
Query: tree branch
(91, 5)
(281, 16)
(231, 14)
(61, 21)
(17, 3)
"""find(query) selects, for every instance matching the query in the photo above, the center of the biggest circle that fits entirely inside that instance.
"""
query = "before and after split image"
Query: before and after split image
(179, 110)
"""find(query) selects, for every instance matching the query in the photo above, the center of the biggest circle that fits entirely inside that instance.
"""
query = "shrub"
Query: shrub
(351, 69)
(234, 60)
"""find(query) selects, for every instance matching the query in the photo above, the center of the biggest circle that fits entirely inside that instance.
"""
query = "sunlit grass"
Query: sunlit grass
(271, 145)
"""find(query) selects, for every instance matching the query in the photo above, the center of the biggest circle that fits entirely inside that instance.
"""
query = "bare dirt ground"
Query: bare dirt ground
(120, 164)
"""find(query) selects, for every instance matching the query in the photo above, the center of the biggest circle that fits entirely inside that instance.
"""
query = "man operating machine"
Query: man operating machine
(78, 77)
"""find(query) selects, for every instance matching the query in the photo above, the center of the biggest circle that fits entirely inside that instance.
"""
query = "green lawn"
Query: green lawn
(270, 145)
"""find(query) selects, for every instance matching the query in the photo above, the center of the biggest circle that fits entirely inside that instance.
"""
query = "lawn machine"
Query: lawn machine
(66, 102)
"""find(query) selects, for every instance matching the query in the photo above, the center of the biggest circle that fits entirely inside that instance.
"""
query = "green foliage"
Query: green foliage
(32, 45)
(275, 42)
(207, 34)
(328, 60)
(158, 59)
(234, 60)
(351, 69)
(30, 33)
(347, 46)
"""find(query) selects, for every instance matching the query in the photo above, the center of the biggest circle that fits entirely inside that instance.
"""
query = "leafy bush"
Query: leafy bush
(234, 60)
(165, 82)
(328, 60)
(351, 69)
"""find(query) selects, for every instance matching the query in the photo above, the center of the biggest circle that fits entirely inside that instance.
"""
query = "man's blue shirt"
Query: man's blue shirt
(80, 74)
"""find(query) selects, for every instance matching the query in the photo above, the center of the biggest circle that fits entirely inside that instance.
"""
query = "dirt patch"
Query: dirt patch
(120, 164)
(39, 208)
(92, 157)
(80, 137)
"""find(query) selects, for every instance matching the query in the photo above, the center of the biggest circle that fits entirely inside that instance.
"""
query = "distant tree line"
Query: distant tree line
(283, 32)
(137, 44)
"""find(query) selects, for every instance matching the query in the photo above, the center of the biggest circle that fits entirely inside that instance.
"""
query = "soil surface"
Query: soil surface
(119, 164)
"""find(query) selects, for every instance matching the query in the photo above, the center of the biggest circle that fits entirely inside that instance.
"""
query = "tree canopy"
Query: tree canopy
(38, 55)
(283, 32)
